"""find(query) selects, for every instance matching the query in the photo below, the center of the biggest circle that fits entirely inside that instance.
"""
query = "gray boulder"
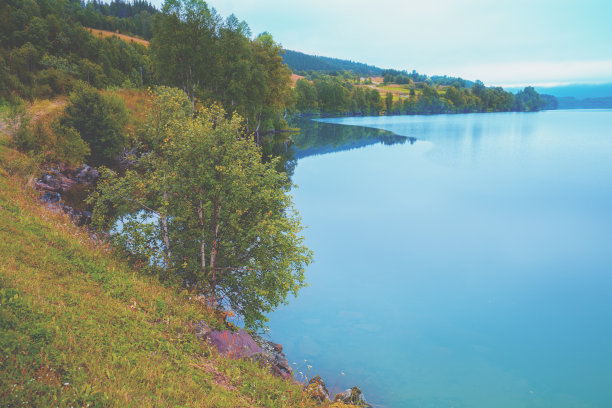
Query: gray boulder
(352, 396)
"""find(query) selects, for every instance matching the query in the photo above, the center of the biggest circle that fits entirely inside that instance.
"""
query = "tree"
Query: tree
(528, 100)
(270, 88)
(374, 101)
(204, 205)
(100, 120)
(236, 60)
(306, 96)
(183, 45)
(389, 102)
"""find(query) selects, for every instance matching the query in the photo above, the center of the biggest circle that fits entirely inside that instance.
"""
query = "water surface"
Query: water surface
(468, 268)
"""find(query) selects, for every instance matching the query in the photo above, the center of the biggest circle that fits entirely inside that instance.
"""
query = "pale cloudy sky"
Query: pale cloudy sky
(501, 42)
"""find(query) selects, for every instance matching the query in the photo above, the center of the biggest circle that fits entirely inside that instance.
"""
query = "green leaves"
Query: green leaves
(203, 204)
(100, 120)
(210, 59)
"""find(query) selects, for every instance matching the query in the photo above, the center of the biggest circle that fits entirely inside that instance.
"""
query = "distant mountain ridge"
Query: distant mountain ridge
(568, 102)
(299, 62)
(580, 91)
(578, 96)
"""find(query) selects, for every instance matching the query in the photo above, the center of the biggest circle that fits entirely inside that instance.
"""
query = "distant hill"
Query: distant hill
(578, 91)
(299, 62)
(569, 102)
(581, 96)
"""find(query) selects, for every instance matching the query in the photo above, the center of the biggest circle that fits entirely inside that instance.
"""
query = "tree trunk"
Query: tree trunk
(257, 139)
(203, 243)
(165, 235)
(213, 253)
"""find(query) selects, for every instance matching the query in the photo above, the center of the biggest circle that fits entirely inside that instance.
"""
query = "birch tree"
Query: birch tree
(229, 227)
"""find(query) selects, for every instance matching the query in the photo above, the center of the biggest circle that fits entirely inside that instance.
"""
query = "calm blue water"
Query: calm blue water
(469, 268)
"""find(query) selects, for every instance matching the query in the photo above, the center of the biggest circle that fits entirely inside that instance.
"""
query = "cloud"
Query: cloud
(543, 73)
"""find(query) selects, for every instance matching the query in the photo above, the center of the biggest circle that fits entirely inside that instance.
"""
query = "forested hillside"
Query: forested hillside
(302, 63)
(134, 18)
(400, 92)
(44, 51)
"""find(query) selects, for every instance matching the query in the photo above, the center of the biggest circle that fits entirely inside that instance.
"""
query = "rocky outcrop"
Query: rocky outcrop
(61, 180)
(352, 396)
(79, 217)
(316, 389)
(236, 345)
(51, 197)
(241, 344)
(58, 181)
(202, 330)
(272, 355)
(244, 345)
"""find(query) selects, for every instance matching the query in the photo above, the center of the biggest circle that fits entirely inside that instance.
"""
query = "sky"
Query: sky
(501, 42)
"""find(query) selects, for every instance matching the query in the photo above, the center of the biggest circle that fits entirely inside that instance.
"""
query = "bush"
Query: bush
(100, 120)
(52, 141)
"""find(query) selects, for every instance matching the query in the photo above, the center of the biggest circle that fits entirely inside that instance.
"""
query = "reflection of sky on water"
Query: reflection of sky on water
(470, 269)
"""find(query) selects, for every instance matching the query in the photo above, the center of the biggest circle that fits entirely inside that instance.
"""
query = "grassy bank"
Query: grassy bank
(81, 327)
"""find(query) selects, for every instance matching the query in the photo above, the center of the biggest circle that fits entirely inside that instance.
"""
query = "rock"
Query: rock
(51, 197)
(243, 345)
(65, 183)
(279, 366)
(57, 180)
(236, 345)
(128, 158)
(49, 181)
(85, 174)
(316, 389)
(79, 217)
(273, 356)
(202, 330)
(352, 396)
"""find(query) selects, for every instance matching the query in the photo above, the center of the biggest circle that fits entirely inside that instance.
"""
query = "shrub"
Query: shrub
(52, 141)
(100, 120)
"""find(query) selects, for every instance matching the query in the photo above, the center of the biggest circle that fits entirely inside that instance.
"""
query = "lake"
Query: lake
(460, 260)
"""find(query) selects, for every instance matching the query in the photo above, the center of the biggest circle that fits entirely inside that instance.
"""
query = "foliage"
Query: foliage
(306, 96)
(211, 59)
(408, 94)
(528, 100)
(205, 206)
(299, 62)
(50, 141)
(100, 119)
(184, 35)
(135, 17)
(79, 326)
(44, 50)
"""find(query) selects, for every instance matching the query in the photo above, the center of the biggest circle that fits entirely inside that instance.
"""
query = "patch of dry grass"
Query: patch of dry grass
(126, 38)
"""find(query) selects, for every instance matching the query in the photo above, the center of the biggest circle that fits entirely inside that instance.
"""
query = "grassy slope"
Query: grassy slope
(124, 37)
(78, 326)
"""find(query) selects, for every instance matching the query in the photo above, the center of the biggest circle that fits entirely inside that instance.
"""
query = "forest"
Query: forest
(46, 49)
(403, 93)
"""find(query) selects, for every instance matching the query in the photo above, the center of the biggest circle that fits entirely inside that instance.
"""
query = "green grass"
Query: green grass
(79, 327)
(396, 88)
